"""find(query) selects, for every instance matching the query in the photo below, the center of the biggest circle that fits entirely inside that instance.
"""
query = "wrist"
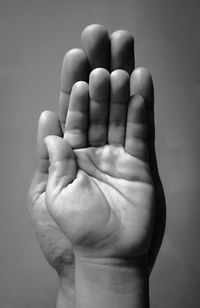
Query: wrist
(66, 294)
(111, 283)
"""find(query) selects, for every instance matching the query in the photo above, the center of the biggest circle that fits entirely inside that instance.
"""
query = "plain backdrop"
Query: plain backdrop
(34, 36)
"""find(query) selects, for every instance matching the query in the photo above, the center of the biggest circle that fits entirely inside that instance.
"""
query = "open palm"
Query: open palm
(102, 196)
(76, 66)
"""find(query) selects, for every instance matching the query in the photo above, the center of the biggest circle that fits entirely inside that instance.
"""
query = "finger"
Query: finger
(48, 125)
(74, 68)
(119, 96)
(99, 89)
(141, 83)
(122, 51)
(96, 44)
(62, 169)
(136, 137)
(77, 117)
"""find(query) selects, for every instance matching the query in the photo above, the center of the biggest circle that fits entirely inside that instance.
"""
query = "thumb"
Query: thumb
(62, 170)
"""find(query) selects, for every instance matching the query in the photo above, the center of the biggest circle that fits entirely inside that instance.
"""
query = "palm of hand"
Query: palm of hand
(108, 208)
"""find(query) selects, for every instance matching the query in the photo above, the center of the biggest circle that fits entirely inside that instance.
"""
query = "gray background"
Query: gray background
(34, 38)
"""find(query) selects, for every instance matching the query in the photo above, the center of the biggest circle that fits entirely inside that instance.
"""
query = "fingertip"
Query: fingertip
(73, 53)
(122, 51)
(141, 73)
(141, 83)
(47, 116)
(79, 101)
(93, 28)
(123, 33)
(99, 73)
(122, 36)
(119, 74)
(99, 84)
(74, 68)
(119, 80)
(80, 87)
(48, 124)
(95, 42)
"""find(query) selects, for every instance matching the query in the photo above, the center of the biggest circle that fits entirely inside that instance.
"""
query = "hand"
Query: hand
(56, 247)
(100, 190)
(101, 193)
(96, 45)
(77, 65)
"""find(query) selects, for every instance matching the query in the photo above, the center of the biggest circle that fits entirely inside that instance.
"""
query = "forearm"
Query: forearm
(108, 284)
(65, 295)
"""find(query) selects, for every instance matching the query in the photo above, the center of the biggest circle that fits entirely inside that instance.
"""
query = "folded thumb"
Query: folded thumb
(62, 170)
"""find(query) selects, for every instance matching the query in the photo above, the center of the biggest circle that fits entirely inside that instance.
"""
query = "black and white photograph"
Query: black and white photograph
(99, 154)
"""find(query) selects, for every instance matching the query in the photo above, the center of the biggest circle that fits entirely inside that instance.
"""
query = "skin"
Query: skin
(100, 190)
(77, 65)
